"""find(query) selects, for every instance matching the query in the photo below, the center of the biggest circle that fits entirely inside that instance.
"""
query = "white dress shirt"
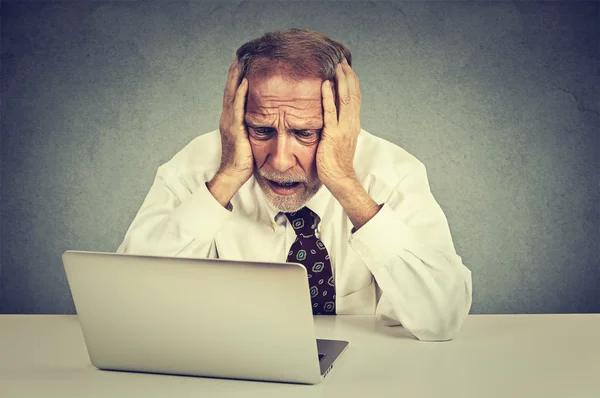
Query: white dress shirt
(401, 265)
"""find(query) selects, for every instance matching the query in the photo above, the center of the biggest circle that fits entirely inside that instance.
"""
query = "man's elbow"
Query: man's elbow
(445, 323)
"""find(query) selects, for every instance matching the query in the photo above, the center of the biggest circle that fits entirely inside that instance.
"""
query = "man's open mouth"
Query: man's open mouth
(285, 184)
(284, 188)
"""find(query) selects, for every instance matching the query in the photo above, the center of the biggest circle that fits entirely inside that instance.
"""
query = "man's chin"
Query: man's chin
(285, 203)
(287, 207)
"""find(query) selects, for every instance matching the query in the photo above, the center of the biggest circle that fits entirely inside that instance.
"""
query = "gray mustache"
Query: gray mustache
(277, 177)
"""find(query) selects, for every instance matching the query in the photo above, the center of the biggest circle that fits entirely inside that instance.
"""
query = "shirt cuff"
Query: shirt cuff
(202, 216)
(382, 236)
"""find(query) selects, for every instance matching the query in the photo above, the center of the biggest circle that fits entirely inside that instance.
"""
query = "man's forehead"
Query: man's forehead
(274, 96)
(298, 121)
(277, 87)
(271, 102)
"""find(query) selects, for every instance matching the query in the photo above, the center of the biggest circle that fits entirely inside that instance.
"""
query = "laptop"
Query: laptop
(198, 317)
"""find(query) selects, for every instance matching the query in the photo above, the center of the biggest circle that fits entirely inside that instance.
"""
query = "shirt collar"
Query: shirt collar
(318, 203)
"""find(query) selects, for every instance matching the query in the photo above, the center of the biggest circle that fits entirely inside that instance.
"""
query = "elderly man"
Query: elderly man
(290, 176)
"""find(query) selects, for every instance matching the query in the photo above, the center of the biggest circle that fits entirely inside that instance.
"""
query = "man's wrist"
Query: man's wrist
(343, 187)
(223, 187)
(355, 200)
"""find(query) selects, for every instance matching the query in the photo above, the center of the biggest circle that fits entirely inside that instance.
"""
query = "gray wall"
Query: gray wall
(498, 99)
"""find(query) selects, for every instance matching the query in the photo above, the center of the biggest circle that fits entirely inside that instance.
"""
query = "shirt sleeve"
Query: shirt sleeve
(408, 248)
(174, 221)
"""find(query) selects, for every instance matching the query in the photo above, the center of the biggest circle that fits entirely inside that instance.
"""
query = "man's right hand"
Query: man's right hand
(237, 162)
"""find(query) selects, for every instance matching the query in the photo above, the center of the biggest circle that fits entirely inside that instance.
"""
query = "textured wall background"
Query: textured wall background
(500, 100)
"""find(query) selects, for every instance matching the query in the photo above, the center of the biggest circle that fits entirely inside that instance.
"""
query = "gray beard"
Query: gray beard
(287, 203)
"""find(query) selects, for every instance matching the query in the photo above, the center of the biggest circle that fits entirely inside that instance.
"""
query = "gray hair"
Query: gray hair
(296, 53)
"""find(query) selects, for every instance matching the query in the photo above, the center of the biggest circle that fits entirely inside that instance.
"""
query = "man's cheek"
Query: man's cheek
(310, 158)
(258, 151)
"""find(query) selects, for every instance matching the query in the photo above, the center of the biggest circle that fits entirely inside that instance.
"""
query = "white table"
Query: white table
(493, 356)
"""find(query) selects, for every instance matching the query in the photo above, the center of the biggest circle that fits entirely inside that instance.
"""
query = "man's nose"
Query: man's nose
(282, 155)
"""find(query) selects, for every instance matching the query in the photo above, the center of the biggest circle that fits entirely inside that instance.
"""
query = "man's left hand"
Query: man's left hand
(335, 154)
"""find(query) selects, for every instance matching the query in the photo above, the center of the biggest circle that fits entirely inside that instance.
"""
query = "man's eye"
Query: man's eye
(262, 130)
(308, 134)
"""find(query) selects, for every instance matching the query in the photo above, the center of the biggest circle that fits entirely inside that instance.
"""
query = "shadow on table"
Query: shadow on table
(374, 326)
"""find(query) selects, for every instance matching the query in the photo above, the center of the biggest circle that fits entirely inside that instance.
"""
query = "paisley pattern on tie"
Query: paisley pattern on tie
(309, 251)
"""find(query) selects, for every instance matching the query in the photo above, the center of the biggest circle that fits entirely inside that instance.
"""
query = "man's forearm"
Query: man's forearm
(355, 200)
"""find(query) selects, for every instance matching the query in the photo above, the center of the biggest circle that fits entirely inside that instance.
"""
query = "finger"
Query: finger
(329, 109)
(342, 92)
(239, 103)
(232, 84)
(352, 83)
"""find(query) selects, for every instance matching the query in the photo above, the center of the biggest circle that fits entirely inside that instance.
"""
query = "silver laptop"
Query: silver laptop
(198, 317)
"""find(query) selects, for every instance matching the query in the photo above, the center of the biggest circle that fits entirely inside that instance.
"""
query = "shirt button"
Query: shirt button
(364, 252)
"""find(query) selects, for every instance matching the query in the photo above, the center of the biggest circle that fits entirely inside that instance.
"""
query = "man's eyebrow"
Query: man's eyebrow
(308, 124)
(249, 120)
(312, 123)
(308, 127)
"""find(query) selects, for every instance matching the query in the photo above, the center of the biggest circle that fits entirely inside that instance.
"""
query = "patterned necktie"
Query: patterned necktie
(309, 251)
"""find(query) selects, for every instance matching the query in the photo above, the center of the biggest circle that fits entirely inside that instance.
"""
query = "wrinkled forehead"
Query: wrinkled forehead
(270, 94)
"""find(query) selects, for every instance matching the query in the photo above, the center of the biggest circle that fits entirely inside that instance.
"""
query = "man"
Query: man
(290, 176)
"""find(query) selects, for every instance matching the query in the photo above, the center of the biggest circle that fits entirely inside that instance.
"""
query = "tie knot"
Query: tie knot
(303, 221)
